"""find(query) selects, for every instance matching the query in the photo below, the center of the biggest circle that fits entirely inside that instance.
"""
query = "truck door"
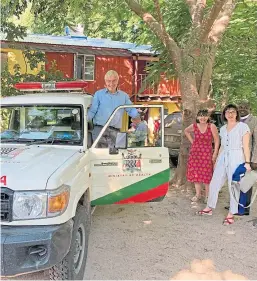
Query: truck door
(134, 166)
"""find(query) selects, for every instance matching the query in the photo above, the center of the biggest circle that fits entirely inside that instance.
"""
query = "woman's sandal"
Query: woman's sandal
(202, 212)
(228, 221)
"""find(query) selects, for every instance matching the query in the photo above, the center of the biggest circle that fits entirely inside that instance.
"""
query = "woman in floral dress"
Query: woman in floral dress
(201, 156)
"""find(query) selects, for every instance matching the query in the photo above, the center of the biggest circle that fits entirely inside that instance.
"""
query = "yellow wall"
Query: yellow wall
(16, 57)
(171, 106)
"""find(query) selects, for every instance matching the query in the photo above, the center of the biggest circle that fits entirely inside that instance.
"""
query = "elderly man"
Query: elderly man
(246, 117)
(105, 101)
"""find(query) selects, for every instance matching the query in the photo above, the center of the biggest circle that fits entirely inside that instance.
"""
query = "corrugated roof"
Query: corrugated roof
(85, 42)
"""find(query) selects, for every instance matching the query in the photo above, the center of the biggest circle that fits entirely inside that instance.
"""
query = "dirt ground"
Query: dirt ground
(166, 240)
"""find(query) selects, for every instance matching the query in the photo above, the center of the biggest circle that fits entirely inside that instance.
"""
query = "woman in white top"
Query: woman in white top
(234, 150)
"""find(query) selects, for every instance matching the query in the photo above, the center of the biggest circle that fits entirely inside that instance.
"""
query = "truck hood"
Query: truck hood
(29, 167)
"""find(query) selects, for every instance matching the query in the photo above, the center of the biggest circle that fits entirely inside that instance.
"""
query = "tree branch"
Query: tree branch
(191, 5)
(158, 9)
(222, 22)
(197, 16)
(207, 74)
(159, 31)
(211, 18)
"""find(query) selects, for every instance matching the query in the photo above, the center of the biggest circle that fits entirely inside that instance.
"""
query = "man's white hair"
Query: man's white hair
(111, 73)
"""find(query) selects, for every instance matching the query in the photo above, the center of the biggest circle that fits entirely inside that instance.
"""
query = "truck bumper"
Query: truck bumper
(26, 249)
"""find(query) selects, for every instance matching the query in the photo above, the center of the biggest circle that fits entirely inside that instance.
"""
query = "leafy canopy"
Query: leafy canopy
(235, 64)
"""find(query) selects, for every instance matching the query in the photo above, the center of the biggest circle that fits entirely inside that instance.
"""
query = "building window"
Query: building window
(148, 65)
(85, 67)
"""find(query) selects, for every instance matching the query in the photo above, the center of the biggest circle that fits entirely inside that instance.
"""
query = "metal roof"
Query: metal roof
(84, 42)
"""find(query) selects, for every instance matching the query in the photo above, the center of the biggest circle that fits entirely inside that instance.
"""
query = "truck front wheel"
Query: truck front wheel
(72, 267)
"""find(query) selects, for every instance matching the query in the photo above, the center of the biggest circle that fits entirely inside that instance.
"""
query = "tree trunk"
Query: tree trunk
(194, 92)
(190, 105)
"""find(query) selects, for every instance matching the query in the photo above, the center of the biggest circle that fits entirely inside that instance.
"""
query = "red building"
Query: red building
(82, 58)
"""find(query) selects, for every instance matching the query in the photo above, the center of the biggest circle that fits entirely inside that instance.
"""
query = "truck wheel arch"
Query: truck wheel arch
(65, 270)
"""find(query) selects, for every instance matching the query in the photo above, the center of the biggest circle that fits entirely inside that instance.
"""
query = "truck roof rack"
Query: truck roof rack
(52, 86)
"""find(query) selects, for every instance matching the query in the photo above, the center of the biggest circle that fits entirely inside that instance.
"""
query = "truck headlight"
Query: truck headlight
(37, 205)
(29, 205)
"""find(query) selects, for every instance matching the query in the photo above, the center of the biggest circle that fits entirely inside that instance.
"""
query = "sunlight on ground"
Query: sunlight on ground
(194, 206)
(147, 222)
(205, 270)
(230, 232)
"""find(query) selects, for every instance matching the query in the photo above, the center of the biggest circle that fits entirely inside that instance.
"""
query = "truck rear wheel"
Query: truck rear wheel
(72, 267)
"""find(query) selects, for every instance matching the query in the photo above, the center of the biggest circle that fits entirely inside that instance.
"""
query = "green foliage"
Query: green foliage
(32, 59)
(8, 9)
(236, 63)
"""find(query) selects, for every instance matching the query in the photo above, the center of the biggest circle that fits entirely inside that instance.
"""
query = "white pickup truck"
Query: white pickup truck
(52, 174)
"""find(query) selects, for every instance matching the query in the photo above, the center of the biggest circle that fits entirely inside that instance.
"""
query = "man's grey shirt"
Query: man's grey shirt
(140, 132)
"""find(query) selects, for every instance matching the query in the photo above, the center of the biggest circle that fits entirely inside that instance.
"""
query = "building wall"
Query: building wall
(64, 62)
(16, 57)
(124, 67)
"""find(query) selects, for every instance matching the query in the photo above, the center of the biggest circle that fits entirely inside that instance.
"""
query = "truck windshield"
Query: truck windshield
(34, 123)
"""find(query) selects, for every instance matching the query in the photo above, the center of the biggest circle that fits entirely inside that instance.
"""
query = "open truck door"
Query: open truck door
(135, 169)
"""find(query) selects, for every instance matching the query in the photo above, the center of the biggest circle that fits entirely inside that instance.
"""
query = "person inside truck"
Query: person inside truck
(37, 122)
(105, 101)
(138, 136)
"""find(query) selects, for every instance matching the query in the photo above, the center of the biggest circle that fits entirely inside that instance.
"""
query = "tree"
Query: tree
(8, 9)
(234, 76)
(193, 57)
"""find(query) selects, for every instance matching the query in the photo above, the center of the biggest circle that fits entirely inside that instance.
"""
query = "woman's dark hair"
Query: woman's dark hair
(227, 107)
(202, 112)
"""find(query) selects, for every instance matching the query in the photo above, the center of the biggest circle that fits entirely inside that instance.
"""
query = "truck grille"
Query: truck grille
(6, 150)
(6, 204)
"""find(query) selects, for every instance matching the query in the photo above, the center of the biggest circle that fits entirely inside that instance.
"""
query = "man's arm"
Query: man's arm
(94, 107)
(132, 112)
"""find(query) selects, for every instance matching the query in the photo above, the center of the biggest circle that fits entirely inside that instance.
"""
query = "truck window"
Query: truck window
(32, 123)
(142, 131)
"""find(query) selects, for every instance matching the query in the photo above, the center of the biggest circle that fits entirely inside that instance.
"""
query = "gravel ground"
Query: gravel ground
(166, 240)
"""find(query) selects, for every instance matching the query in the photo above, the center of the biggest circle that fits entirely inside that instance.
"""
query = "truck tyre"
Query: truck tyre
(72, 267)
(173, 161)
